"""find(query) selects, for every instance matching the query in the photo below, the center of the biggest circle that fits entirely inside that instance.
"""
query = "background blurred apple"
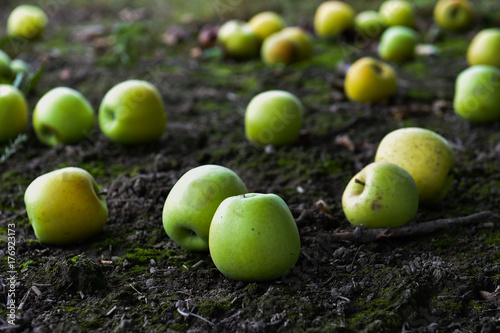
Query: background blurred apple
(278, 49)
(398, 44)
(254, 237)
(26, 21)
(477, 94)
(193, 200)
(332, 18)
(273, 118)
(5, 70)
(369, 23)
(484, 48)
(427, 157)
(302, 40)
(132, 112)
(397, 13)
(238, 41)
(382, 195)
(370, 80)
(13, 113)
(265, 24)
(454, 15)
(19, 66)
(64, 206)
(63, 115)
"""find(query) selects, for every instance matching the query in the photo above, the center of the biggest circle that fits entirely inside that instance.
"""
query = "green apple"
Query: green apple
(483, 49)
(427, 157)
(382, 195)
(398, 44)
(265, 24)
(273, 117)
(63, 115)
(332, 18)
(238, 41)
(369, 23)
(13, 113)
(132, 112)
(5, 69)
(302, 40)
(370, 80)
(254, 237)
(397, 13)
(26, 21)
(454, 15)
(278, 49)
(19, 66)
(193, 200)
(64, 206)
(477, 94)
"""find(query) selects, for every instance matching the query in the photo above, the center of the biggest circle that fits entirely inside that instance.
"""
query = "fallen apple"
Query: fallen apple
(13, 113)
(483, 49)
(64, 206)
(27, 22)
(238, 41)
(192, 202)
(332, 18)
(63, 115)
(265, 24)
(254, 237)
(454, 15)
(382, 195)
(477, 94)
(302, 40)
(279, 49)
(132, 112)
(398, 44)
(370, 80)
(427, 157)
(369, 23)
(397, 13)
(273, 118)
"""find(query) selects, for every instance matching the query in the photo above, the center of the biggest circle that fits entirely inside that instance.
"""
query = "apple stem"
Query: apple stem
(357, 181)
(103, 192)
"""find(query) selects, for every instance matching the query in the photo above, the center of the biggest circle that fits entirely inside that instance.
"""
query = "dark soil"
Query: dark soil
(132, 278)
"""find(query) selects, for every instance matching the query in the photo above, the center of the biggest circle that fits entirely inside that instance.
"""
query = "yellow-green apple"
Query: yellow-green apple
(397, 13)
(454, 15)
(13, 113)
(238, 41)
(370, 80)
(132, 112)
(254, 237)
(273, 117)
(278, 49)
(65, 206)
(302, 40)
(426, 155)
(265, 24)
(332, 18)
(63, 115)
(27, 22)
(382, 195)
(5, 70)
(369, 23)
(193, 200)
(483, 49)
(398, 44)
(477, 94)
(19, 66)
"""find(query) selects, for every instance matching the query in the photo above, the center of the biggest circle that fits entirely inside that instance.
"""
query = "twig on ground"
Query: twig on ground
(186, 313)
(363, 235)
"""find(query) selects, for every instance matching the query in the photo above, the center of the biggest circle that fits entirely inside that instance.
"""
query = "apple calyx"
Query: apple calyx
(377, 68)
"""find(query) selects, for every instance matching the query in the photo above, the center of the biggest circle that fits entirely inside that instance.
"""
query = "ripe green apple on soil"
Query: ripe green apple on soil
(63, 115)
(369, 23)
(5, 69)
(484, 48)
(27, 22)
(302, 40)
(132, 112)
(426, 155)
(193, 200)
(477, 94)
(64, 206)
(382, 195)
(273, 117)
(332, 18)
(398, 43)
(265, 24)
(370, 80)
(13, 113)
(238, 40)
(397, 13)
(254, 237)
(278, 49)
(454, 15)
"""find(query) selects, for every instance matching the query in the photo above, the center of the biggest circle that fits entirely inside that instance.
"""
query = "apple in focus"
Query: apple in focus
(426, 155)
(382, 195)
(254, 237)
(454, 15)
(27, 22)
(370, 80)
(63, 115)
(13, 113)
(132, 112)
(64, 206)
(398, 44)
(238, 41)
(332, 18)
(265, 24)
(273, 117)
(397, 13)
(484, 48)
(193, 200)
